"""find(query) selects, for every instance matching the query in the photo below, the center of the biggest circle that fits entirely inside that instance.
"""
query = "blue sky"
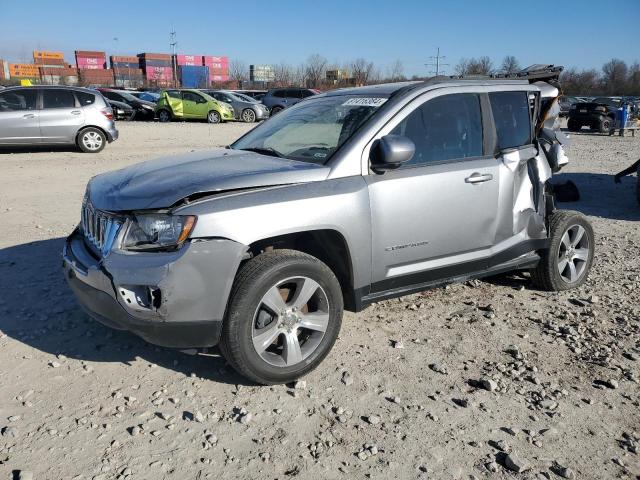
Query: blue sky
(580, 33)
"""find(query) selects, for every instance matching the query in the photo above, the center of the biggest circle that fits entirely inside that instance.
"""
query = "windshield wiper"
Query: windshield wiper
(264, 151)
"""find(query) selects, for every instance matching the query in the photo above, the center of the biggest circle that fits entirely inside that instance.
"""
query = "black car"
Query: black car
(565, 103)
(121, 110)
(599, 114)
(142, 109)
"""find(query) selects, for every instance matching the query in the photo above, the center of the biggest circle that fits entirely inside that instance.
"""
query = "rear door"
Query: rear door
(61, 116)
(19, 117)
(195, 105)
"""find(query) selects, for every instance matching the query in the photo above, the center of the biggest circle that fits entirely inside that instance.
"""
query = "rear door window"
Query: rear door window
(85, 98)
(17, 100)
(512, 118)
(54, 98)
(279, 93)
(444, 128)
(174, 94)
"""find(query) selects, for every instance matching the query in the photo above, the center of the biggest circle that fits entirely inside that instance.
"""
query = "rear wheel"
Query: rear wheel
(573, 126)
(284, 316)
(605, 125)
(164, 116)
(248, 115)
(214, 117)
(91, 140)
(567, 261)
(275, 110)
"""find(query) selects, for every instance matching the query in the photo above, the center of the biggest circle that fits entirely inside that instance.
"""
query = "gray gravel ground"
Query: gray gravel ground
(488, 379)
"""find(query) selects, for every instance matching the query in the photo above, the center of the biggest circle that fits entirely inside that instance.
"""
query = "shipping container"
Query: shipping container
(154, 56)
(24, 70)
(61, 71)
(219, 78)
(159, 73)
(132, 72)
(4, 66)
(44, 55)
(133, 65)
(190, 60)
(209, 59)
(91, 63)
(50, 62)
(3, 76)
(194, 76)
(145, 63)
(90, 53)
(123, 59)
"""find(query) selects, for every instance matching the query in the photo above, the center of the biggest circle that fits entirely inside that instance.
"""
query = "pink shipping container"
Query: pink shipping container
(91, 63)
(195, 60)
(159, 73)
(209, 60)
(218, 78)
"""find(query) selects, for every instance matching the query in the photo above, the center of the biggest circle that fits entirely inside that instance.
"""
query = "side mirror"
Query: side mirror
(391, 151)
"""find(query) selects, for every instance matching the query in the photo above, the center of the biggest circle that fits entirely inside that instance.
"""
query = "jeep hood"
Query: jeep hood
(163, 182)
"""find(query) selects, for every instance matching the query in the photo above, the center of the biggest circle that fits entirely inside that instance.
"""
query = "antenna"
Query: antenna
(436, 61)
(172, 43)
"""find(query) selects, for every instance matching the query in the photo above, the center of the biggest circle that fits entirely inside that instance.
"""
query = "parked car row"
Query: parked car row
(598, 113)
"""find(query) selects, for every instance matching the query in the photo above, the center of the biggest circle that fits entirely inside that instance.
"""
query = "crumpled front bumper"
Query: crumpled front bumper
(173, 299)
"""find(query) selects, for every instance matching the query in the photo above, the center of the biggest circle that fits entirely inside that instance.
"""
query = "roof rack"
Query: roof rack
(538, 72)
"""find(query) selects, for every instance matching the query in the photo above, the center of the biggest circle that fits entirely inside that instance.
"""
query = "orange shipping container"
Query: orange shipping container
(24, 70)
(39, 55)
(121, 59)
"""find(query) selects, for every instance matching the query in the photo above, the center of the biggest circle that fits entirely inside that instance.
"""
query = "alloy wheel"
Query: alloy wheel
(573, 254)
(249, 116)
(92, 140)
(290, 321)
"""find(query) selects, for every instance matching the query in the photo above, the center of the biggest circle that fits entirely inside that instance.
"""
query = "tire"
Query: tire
(276, 110)
(564, 227)
(605, 125)
(164, 116)
(214, 117)
(91, 140)
(250, 320)
(248, 115)
(573, 126)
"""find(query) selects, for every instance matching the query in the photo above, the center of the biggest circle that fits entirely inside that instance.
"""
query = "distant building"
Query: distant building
(337, 75)
(261, 73)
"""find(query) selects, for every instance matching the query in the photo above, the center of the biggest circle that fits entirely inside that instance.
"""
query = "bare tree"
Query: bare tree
(475, 66)
(283, 74)
(510, 64)
(614, 78)
(315, 70)
(396, 71)
(361, 70)
(238, 71)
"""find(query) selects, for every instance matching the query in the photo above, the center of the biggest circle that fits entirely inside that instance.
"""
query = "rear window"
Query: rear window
(512, 119)
(279, 93)
(52, 98)
(85, 98)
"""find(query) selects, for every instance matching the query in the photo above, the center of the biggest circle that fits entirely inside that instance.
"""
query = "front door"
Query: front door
(174, 99)
(61, 116)
(19, 118)
(437, 212)
(195, 105)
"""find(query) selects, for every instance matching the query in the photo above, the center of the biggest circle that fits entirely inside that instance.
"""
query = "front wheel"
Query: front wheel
(573, 126)
(605, 125)
(567, 261)
(284, 316)
(214, 117)
(276, 110)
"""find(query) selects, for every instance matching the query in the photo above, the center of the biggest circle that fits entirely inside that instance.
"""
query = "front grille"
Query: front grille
(100, 229)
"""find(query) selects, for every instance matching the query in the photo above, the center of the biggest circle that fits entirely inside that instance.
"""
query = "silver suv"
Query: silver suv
(348, 198)
(32, 116)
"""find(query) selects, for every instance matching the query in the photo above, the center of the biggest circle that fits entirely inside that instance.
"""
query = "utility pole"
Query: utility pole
(173, 43)
(116, 50)
(436, 61)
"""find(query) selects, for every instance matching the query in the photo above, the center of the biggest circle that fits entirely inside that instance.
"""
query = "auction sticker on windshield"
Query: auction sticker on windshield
(365, 102)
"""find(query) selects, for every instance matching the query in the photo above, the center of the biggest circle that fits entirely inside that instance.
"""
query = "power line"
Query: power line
(436, 61)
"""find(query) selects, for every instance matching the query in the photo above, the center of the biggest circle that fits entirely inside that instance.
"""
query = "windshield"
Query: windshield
(312, 130)
(244, 98)
(127, 95)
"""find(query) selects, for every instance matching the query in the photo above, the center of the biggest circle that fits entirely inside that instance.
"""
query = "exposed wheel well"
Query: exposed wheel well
(328, 246)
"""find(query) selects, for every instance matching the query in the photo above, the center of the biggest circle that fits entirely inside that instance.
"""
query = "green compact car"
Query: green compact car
(182, 104)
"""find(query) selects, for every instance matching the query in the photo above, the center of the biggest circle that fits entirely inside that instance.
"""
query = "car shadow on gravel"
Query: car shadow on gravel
(39, 149)
(38, 309)
(600, 196)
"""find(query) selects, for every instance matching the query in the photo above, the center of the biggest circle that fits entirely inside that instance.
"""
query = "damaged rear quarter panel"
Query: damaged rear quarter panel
(340, 204)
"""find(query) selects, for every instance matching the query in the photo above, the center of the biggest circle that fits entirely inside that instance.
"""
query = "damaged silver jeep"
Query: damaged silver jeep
(348, 198)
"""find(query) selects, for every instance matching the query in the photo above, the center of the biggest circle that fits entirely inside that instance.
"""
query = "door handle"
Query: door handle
(478, 178)
(75, 112)
(29, 115)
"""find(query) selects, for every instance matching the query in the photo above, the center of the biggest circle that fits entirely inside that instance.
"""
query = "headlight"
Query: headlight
(148, 107)
(157, 231)
(600, 109)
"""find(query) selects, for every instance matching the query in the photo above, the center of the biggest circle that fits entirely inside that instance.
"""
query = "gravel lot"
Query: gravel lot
(489, 379)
